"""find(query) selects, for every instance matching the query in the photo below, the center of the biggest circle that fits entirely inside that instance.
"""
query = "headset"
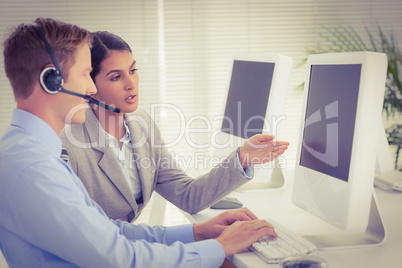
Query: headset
(51, 78)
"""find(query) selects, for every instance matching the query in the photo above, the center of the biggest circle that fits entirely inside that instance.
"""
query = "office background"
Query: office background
(183, 49)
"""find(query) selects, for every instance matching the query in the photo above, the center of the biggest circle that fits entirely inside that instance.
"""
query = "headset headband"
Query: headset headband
(48, 47)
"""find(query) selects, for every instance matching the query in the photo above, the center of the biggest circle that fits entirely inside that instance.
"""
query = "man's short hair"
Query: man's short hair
(25, 54)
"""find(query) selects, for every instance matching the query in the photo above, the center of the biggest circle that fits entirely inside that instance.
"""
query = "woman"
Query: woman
(120, 157)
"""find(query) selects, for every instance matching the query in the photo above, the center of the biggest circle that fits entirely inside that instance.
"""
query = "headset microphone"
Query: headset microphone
(51, 79)
(91, 100)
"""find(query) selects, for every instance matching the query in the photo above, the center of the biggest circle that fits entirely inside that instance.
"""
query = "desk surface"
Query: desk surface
(275, 204)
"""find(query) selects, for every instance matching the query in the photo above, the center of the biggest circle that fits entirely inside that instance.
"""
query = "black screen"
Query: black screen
(330, 119)
(247, 100)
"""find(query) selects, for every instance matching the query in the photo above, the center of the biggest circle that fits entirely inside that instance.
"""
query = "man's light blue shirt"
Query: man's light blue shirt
(47, 218)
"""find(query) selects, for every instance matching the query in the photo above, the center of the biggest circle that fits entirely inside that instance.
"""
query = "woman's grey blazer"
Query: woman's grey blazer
(97, 167)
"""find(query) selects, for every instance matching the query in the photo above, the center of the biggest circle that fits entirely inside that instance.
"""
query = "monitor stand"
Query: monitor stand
(276, 181)
(374, 235)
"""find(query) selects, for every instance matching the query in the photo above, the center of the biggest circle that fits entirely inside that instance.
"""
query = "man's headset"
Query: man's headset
(51, 79)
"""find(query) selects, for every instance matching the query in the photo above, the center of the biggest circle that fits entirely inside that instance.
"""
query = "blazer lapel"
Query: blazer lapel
(108, 162)
(145, 161)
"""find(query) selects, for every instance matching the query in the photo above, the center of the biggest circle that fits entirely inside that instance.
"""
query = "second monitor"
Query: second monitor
(257, 86)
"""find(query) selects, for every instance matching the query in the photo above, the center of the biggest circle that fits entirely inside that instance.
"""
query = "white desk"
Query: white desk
(275, 204)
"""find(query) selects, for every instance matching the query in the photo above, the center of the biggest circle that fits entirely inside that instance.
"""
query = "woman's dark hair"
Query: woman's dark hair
(103, 43)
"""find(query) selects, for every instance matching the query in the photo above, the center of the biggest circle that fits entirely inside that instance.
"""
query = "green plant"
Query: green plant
(394, 133)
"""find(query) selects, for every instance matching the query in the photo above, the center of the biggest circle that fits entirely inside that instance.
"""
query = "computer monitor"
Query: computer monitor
(336, 153)
(256, 87)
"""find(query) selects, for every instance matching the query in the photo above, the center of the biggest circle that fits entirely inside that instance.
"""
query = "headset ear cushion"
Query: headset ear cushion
(51, 80)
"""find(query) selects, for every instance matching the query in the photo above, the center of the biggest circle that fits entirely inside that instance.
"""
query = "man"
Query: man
(47, 218)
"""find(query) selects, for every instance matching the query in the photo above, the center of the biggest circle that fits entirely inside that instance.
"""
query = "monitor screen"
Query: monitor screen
(330, 119)
(247, 101)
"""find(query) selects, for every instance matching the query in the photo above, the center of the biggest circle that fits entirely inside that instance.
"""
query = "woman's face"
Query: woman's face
(117, 81)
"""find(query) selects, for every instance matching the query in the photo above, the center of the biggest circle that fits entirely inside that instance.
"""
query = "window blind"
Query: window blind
(202, 36)
(134, 21)
(183, 49)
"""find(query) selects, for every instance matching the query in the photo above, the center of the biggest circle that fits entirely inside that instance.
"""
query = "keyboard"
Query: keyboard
(274, 250)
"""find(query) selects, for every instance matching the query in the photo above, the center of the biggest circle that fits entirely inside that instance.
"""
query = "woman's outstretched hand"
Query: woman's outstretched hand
(261, 148)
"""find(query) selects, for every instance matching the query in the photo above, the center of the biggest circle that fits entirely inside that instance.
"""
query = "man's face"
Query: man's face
(79, 81)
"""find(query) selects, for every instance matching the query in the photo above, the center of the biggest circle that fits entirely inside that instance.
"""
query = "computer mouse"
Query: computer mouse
(307, 261)
(227, 203)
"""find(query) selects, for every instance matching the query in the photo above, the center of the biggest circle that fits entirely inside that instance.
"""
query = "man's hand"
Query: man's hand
(242, 234)
(215, 226)
(261, 148)
(234, 230)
